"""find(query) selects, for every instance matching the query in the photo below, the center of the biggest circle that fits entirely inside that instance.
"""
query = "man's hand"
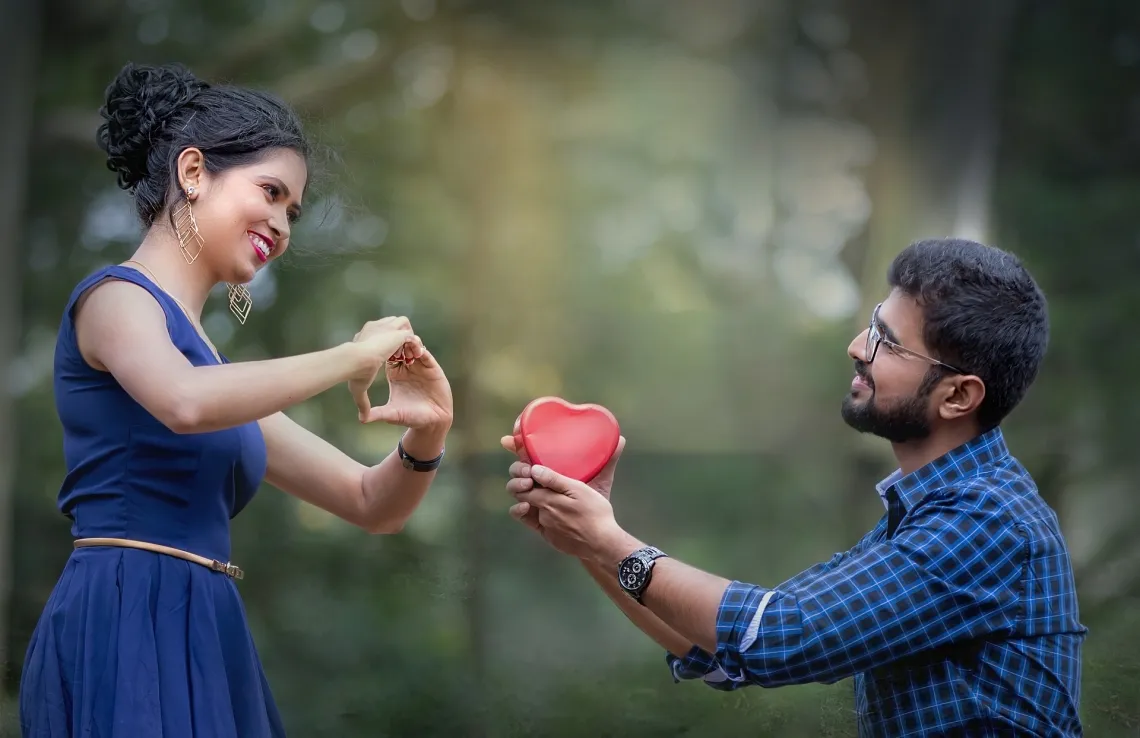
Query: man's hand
(521, 482)
(576, 516)
(578, 520)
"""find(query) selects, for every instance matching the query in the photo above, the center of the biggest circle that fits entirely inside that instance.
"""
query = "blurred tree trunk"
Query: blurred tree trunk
(933, 108)
(968, 47)
(498, 156)
(19, 50)
(885, 36)
(465, 160)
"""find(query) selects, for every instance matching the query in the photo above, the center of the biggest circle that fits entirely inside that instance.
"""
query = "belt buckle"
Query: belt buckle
(230, 570)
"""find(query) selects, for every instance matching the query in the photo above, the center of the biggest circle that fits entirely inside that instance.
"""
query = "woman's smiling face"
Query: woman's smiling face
(244, 214)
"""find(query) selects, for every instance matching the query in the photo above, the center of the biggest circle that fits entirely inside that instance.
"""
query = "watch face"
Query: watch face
(632, 573)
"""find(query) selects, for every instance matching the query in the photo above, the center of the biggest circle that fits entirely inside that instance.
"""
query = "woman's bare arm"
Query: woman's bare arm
(122, 329)
(379, 499)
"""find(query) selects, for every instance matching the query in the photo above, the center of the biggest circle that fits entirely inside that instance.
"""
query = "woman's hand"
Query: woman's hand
(419, 395)
(376, 342)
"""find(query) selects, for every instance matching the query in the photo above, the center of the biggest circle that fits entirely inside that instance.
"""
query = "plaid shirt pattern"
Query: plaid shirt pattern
(956, 615)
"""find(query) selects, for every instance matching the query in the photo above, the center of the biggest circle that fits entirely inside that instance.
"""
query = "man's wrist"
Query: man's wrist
(613, 547)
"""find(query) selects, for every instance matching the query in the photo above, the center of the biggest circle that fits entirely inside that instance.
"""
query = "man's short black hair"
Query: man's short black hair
(983, 313)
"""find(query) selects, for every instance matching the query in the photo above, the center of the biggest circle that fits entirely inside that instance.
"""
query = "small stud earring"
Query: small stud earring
(190, 190)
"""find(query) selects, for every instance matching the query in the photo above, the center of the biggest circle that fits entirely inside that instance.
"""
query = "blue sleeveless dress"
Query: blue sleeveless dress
(133, 643)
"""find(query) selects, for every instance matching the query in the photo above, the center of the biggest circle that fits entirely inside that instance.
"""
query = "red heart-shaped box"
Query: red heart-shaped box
(573, 440)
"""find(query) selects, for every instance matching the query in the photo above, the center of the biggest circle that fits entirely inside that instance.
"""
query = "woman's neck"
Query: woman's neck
(190, 284)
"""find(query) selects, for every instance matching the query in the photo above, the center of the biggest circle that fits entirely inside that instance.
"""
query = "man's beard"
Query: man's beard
(901, 421)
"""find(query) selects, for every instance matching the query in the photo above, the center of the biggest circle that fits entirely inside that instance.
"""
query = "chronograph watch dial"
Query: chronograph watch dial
(635, 571)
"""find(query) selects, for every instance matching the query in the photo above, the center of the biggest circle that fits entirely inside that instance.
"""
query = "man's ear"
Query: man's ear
(963, 396)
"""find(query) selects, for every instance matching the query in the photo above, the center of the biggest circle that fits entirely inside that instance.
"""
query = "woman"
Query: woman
(165, 440)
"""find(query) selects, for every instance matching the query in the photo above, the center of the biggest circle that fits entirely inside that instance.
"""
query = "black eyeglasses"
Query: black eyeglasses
(875, 337)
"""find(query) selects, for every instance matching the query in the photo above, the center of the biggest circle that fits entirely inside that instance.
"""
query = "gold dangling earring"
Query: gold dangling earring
(187, 229)
(241, 302)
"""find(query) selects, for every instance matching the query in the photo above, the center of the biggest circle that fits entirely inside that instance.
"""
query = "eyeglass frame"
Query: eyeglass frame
(876, 337)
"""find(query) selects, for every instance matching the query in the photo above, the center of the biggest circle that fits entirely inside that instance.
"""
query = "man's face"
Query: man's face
(890, 396)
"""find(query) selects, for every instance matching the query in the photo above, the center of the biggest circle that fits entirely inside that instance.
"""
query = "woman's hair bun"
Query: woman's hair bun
(138, 104)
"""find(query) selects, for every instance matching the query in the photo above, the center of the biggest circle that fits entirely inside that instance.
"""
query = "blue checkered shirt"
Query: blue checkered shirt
(956, 615)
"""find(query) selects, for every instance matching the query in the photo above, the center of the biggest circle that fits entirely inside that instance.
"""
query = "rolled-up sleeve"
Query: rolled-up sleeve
(696, 664)
(700, 664)
(948, 574)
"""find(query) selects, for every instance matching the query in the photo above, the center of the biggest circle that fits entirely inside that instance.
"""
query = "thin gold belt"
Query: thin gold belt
(213, 564)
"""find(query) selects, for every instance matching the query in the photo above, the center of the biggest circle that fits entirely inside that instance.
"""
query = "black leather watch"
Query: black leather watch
(635, 571)
(415, 464)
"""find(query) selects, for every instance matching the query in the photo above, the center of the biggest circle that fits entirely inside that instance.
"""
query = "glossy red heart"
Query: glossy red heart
(573, 440)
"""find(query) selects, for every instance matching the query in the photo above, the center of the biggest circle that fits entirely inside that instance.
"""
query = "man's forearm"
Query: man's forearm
(684, 598)
(640, 616)
(687, 599)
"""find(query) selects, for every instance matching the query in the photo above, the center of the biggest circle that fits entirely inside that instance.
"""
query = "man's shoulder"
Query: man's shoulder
(1006, 491)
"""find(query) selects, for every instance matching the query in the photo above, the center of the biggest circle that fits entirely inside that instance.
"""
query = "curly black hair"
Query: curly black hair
(153, 113)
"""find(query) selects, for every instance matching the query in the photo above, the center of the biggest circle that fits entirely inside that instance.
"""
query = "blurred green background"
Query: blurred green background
(682, 209)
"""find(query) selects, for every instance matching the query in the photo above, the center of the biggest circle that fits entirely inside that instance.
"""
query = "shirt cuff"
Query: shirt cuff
(696, 664)
(738, 626)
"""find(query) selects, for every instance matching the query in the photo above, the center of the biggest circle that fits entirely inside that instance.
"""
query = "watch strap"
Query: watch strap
(410, 462)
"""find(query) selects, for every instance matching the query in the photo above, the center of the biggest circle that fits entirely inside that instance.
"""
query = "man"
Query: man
(957, 614)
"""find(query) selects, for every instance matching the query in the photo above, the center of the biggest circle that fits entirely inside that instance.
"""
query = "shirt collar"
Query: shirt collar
(886, 484)
(964, 462)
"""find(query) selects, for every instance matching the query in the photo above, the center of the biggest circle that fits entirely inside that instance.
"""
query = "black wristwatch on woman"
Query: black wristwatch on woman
(415, 464)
